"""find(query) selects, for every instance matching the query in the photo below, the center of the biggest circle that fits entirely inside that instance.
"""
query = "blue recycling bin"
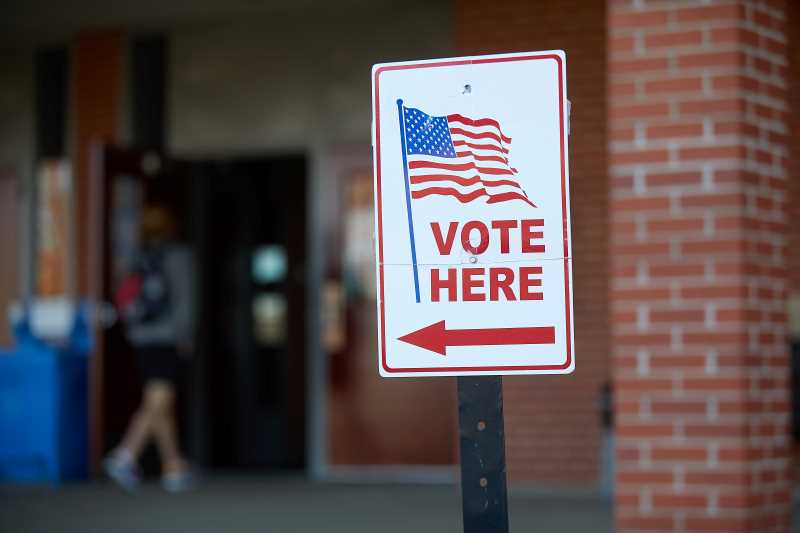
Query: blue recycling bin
(44, 407)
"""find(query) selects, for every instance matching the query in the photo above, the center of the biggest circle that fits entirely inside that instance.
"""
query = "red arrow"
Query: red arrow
(437, 337)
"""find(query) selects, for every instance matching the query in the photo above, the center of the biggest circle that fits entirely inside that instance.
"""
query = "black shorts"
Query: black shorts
(158, 362)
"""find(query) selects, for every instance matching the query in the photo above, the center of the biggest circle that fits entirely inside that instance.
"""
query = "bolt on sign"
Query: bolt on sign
(472, 216)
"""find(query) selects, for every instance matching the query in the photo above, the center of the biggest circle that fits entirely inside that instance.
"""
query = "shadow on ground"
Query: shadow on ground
(240, 504)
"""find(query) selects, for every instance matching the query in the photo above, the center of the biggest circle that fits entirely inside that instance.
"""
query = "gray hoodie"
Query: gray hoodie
(175, 326)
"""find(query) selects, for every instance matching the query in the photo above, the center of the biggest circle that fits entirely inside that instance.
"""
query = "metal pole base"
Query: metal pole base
(483, 455)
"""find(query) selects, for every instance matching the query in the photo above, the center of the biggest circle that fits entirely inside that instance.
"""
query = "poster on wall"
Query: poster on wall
(53, 227)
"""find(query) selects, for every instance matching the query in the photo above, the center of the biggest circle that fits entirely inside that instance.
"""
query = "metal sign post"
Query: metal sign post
(483, 454)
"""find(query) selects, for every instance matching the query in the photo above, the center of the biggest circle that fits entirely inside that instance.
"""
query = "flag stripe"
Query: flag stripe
(464, 189)
(477, 157)
(505, 196)
(485, 141)
(480, 146)
(486, 159)
(457, 166)
(425, 178)
(478, 122)
(473, 135)
(468, 197)
(448, 191)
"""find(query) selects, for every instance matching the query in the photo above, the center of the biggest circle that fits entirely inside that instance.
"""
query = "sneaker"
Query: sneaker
(123, 472)
(181, 480)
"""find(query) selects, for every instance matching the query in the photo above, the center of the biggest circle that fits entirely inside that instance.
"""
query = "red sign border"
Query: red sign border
(564, 213)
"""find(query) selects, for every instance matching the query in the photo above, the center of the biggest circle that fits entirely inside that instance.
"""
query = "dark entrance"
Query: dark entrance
(243, 402)
(252, 330)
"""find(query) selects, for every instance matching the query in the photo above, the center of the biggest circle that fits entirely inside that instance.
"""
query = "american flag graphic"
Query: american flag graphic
(458, 156)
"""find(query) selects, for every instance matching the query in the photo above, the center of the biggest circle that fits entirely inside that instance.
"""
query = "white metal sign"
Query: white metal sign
(472, 216)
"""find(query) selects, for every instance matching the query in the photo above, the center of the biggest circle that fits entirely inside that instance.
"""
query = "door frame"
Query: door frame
(103, 157)
(12, 292)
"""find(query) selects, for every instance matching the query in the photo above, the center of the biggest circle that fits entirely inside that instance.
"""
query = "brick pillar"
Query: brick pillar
(698, 158)
(793, 200)
(96, 112)
(793, 211)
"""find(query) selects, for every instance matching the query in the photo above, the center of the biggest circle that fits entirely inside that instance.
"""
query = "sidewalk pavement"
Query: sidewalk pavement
(238, 504)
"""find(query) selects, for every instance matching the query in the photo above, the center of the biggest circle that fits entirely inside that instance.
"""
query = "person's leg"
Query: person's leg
(138, 433)
(160, 401)
(140, 427)
(121, 464)
(175, 473)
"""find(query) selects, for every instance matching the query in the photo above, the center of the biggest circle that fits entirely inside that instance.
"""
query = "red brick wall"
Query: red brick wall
(793, 200)
(553, 424)
(793, 211)
(698, 170)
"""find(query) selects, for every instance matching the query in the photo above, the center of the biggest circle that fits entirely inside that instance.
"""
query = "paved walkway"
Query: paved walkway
(241, 504)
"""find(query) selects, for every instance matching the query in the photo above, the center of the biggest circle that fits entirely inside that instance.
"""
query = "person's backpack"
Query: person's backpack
(143, 296)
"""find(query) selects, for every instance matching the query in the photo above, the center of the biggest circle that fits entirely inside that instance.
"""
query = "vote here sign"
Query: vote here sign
(472, 216)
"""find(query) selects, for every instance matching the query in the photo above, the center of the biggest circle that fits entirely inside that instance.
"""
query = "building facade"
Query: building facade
(684, 175)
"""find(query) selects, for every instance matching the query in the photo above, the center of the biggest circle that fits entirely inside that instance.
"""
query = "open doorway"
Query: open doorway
(243, 399)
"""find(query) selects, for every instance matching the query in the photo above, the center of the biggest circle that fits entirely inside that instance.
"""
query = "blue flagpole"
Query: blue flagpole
(408, 196)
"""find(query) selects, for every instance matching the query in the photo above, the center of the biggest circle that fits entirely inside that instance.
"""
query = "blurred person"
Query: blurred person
(155, 303)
